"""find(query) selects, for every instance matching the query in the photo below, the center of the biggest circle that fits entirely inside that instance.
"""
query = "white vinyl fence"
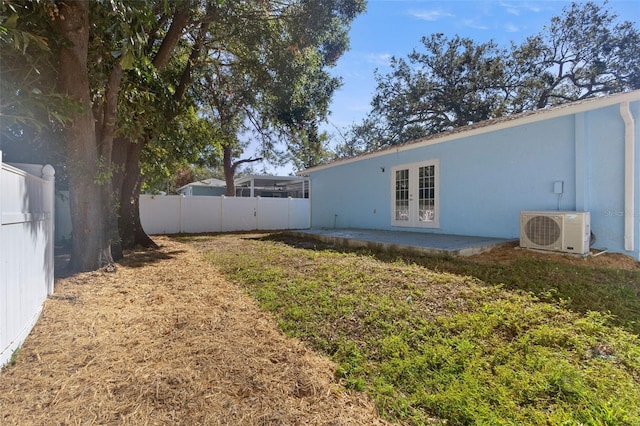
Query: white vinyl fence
(26, 250)
(174, 214)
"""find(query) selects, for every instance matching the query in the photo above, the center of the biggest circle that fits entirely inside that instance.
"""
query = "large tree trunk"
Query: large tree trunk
(106, 144)
(82, 153)
(131, 232)
(128, 156)
(127, 180)
(229, 171)
(229, 166)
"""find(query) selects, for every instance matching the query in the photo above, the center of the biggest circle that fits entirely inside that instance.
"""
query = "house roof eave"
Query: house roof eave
(208, 183)
(490, 126)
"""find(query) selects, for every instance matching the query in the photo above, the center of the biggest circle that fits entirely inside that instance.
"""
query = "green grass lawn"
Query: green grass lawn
(434, 340)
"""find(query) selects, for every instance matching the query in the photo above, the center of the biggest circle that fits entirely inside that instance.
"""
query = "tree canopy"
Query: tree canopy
(454, 81)
(134, 76)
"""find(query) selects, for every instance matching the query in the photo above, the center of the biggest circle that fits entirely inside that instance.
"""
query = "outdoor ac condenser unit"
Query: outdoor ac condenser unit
(567, 232)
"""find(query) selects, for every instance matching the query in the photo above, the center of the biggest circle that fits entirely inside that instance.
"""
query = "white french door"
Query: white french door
(415, 197)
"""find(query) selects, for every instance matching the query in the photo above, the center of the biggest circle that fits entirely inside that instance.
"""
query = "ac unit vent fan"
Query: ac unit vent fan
(543, 230)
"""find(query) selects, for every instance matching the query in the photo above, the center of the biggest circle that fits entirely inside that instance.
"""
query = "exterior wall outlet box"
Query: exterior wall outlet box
(558, 187)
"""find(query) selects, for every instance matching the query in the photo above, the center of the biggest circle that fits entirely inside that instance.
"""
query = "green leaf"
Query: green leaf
(127, 60)
(11, 21)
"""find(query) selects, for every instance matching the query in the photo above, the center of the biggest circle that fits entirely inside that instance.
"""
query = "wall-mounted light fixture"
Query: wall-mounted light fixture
(382, 169)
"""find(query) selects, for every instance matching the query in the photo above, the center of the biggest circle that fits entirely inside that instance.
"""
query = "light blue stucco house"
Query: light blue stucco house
(583, 156)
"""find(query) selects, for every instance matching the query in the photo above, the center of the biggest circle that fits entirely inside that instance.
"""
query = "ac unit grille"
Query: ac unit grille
(543, 230)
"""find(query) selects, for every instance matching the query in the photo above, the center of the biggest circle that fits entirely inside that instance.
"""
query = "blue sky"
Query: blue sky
(394, 28)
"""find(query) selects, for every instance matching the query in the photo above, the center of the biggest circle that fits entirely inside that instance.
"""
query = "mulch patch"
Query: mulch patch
(165, 339)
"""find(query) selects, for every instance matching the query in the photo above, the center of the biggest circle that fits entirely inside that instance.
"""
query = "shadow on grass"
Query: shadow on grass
(133, 259)
(580, 288)
(144, 257)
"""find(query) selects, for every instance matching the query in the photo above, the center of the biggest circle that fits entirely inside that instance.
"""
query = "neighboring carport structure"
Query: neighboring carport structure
(272, 186)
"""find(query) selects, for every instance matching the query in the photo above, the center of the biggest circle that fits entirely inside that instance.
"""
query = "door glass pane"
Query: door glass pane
(402, 195)
(426, 194)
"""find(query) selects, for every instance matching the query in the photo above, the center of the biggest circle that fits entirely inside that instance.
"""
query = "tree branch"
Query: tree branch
(235, 164)
(178, 23)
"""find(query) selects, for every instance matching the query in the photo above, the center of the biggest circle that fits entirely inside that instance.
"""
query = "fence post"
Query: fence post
(221, 210)
(49, 195)
(180, 221)
(0, 190)
(1, 262)
(4, 329)
(256, 209)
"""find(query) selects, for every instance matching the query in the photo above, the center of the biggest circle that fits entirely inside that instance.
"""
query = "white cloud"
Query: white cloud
(511, 28)
(513, 11)
(473, 24)
(382, 59)
(518, 8)
(430, 15)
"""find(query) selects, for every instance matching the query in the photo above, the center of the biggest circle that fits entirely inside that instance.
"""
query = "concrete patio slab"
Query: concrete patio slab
(404, 241)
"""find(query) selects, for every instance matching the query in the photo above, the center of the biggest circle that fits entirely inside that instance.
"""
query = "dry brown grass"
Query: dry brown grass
(509, 253)
(166, 340)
